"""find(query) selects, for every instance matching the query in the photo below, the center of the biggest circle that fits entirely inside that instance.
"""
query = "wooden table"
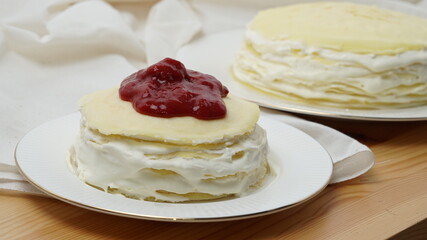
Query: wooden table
(388, 200)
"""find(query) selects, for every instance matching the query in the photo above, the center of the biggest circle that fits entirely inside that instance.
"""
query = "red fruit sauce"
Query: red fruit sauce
(167, 89)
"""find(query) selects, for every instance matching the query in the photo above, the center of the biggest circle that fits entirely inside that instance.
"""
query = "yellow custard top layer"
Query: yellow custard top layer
(106, 112)
(344, 27)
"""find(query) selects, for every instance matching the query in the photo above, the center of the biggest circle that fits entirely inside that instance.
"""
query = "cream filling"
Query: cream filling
(147, 170)
(290, 69)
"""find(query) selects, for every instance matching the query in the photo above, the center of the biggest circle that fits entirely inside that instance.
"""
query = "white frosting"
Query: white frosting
(290, 69)
(126, 165)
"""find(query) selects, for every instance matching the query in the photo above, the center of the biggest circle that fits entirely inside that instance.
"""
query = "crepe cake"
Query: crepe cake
(336, 54)
(169, 158)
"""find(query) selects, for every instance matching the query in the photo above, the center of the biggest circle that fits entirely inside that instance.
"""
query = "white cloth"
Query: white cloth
(350, 158)
(53, 52)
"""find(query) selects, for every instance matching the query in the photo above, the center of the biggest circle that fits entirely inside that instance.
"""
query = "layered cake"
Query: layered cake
(336, 54)
(170, 134)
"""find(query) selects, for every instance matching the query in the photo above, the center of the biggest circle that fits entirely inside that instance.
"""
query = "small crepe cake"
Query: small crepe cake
(336, 54)
(170, 134)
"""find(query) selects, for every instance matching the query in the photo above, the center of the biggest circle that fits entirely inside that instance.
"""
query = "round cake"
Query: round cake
(336, 54)
(166, 157)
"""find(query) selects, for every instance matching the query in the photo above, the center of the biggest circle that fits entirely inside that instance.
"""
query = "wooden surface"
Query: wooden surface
(390, 200)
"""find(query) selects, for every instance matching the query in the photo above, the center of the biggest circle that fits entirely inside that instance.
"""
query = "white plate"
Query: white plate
(303, 168)
(214, 54)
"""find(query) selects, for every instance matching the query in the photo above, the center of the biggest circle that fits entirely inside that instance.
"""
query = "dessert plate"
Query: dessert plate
(214, 54)
(302, 168)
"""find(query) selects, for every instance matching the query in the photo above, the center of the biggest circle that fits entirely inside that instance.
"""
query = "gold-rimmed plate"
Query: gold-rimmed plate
(302, 169)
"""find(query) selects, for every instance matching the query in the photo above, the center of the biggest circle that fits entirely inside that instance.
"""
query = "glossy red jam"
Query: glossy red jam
(167, 89)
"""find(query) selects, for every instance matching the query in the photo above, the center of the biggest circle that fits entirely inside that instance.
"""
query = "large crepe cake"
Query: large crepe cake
(336, 54)
(171, 159)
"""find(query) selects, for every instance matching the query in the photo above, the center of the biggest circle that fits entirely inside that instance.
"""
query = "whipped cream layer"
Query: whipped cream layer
(159, 171)
(297, 71)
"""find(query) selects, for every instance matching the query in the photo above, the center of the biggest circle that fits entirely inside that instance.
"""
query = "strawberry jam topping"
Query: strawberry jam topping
(167, 89)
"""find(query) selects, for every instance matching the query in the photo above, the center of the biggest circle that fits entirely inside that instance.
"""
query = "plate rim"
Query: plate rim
(326, 114)
(165, 218)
